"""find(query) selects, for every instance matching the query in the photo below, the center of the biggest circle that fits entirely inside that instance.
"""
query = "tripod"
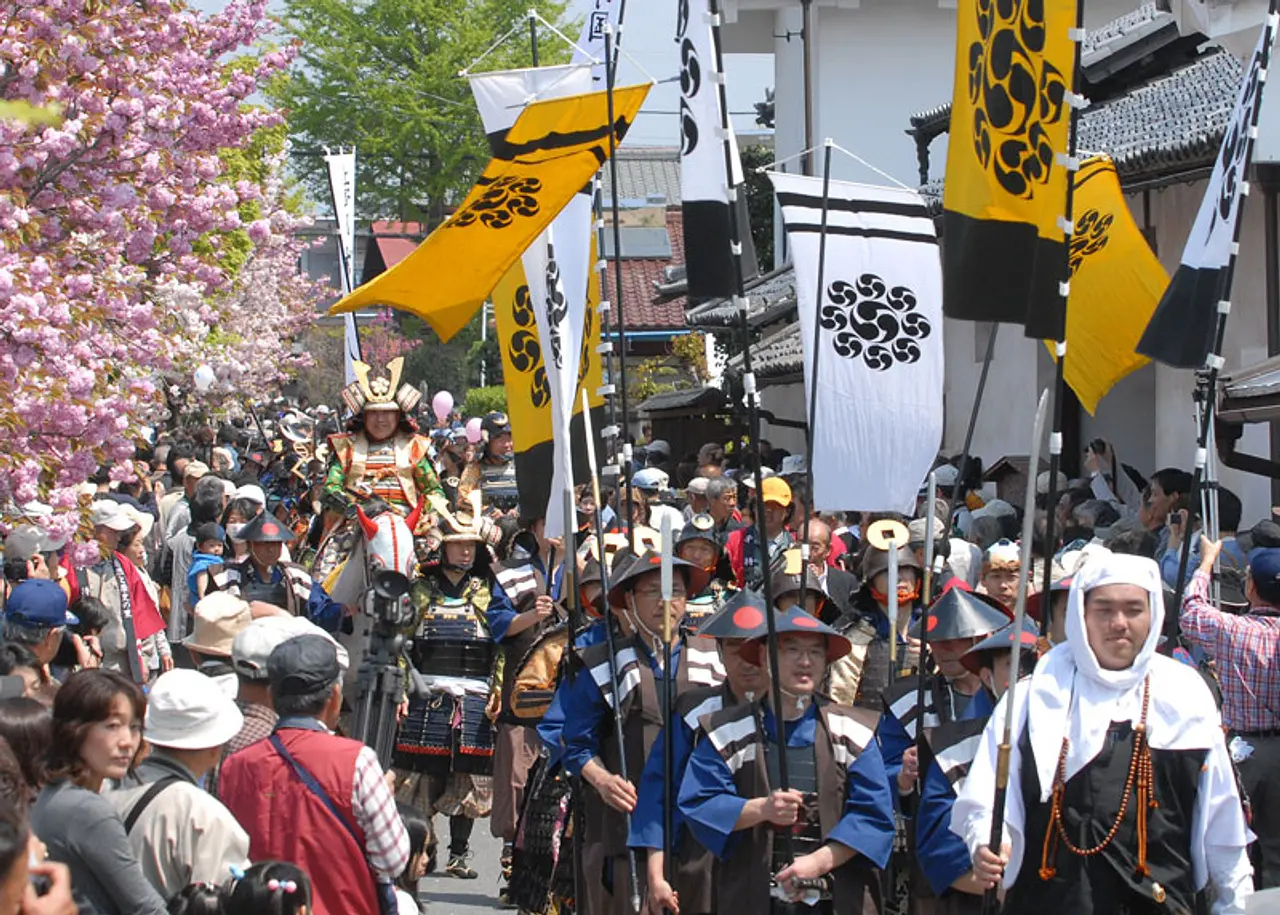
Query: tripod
(379, 679)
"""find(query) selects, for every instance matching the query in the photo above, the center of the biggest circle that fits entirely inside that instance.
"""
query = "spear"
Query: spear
(668, 699)
(608, 634)
(892, 547)
(1015, 663)
(924, 624)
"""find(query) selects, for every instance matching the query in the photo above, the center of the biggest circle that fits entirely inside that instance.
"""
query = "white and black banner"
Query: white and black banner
(590, 49)
(556, 266)
(704, 180)
(1181, 331)
(342, 189)
(878, 422)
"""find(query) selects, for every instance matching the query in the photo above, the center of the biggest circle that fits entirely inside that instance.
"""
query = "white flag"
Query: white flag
(709, 162)
(556, 265)
(1182, 329)
(878, 423)
(342, 190)
(590, 47)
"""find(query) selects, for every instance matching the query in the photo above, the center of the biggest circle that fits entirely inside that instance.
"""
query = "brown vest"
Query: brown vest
(642, 720)
(742, 883)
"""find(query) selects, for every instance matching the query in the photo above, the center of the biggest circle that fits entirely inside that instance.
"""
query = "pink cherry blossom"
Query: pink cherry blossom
(114, 279)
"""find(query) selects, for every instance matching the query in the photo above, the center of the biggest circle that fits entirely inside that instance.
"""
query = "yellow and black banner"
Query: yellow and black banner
(1005, 190)
(528, 390)
(1116, 283)
(548, 156)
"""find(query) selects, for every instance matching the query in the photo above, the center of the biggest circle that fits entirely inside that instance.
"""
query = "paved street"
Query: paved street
(447, 896)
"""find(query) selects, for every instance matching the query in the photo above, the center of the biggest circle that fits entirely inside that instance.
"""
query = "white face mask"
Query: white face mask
(233, 531)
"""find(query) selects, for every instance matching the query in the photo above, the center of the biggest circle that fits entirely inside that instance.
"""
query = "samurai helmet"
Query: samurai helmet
(381, 393)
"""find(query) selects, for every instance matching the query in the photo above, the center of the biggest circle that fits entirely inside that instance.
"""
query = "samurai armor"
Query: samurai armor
(442, 734)
(542, 868)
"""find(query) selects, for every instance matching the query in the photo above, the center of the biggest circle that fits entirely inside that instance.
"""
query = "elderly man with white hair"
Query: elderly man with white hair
(1121, 794)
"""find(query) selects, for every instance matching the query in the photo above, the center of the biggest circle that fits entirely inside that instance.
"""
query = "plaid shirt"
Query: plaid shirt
(386, 843)
(1246, 650)
(259, 722)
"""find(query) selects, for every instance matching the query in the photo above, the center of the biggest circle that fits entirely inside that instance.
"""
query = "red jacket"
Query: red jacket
(286, 822)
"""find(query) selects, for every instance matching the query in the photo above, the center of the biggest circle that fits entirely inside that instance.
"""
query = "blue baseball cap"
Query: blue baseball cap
(39, 602)
(1264, 567)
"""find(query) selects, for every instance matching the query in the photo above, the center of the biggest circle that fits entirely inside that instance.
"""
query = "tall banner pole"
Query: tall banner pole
(341, 169)
(813, 384)
(753, 413)
(668, 701)
(633, 875)
(1214, 362)
(1072, 162)
(625, 484)
(591, 49)
(990, 901)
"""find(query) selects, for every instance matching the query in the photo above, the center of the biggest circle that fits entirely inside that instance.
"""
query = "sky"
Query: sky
(648, 38)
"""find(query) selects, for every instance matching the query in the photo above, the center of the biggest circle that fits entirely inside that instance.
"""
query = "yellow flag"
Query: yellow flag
(528, 391)
(523, 370)
(1116, 283)
(548, 156)
(1005, 188)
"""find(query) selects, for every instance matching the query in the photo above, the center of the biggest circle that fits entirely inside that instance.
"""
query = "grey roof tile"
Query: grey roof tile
(777, 355)
(768, 296)
(1171, 124)
(643, 171)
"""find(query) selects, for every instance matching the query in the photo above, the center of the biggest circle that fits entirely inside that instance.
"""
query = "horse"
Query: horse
(382, 541)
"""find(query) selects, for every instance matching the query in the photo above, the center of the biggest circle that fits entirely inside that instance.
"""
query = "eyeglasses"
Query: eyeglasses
(676, 593)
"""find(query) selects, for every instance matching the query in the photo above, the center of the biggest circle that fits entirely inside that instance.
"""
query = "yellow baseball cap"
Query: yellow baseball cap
(775, 489)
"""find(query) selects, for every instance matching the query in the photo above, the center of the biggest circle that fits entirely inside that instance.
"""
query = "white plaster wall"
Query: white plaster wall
(786, 401)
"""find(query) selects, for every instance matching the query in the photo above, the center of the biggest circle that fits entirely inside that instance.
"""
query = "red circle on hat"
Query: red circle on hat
(270, 529)
(747, 617)
(931, 623)
(806, 622)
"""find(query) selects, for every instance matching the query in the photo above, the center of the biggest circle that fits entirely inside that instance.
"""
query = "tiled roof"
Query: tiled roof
(707, 399)
(643, 171)
(768, 297)
(1172, 124)
(1105, 39)
(640, 309)
(777, 356)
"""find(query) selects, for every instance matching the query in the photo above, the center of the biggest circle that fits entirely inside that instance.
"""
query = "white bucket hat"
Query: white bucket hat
(187, 711)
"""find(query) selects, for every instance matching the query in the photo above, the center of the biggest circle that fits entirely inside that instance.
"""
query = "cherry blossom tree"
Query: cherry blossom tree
(125, 257)
(381, 340)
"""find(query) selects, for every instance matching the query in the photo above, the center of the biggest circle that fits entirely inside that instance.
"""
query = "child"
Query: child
(210, 539)
(422, 853)
(271, 888)
(80, 646)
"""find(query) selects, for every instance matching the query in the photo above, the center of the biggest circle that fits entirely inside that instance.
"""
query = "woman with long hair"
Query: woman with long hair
(97, 729)
(27, 727)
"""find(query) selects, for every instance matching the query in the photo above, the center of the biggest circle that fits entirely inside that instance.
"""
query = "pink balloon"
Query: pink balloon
(442, 404)
(473, 430)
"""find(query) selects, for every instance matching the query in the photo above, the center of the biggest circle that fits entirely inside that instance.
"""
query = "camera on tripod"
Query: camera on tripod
(388, 600)
(380, 684)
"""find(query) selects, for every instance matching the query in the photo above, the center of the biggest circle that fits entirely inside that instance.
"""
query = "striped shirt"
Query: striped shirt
(1246, 651)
